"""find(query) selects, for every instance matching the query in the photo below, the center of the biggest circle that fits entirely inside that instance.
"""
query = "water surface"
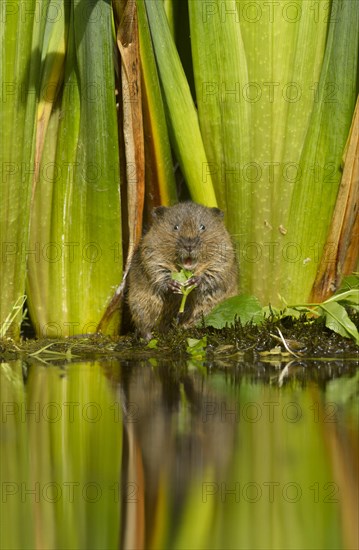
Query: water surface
(161, 455)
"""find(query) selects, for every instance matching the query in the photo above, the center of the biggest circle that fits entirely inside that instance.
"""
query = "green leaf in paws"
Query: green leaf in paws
(182, 277)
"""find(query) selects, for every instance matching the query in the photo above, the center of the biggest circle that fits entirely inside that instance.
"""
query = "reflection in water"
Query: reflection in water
(158, 455)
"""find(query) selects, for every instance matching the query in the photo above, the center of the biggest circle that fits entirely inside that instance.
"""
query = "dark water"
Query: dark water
(179, 455)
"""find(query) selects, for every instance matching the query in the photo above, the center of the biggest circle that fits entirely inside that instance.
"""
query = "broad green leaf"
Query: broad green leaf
(315, 191)
(348, 293)
(220, 68)
(53, 60)
(349, 282)
(182, 276)
(170, 10)
(244, 307)
(337, 319)
(159, 164)
(276, 89)
(21, 36)
(180, 110)
(349, 296)
(76, 226)
(15, 315)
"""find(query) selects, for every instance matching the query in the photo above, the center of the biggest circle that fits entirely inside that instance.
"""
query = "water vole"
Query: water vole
(190, 236)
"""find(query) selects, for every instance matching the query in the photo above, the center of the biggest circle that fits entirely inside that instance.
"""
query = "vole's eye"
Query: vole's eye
(176, 227)
(202, 227)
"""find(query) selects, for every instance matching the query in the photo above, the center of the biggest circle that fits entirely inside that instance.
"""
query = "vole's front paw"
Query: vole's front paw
(195, 280)
(174, 286)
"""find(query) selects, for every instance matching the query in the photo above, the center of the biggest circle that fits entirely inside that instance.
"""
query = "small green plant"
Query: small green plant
(197, 348)
(183, 277)
(333, 310)
(152, 344)
(335, 314)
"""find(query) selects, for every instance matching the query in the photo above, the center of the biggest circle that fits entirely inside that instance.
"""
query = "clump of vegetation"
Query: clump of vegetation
(281, 337)
(120, 97)
(334, 311)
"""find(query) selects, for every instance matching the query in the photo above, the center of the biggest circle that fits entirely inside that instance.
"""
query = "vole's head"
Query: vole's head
(191, 233)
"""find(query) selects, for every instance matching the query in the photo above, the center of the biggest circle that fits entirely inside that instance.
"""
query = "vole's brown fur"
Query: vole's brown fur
(186, 235)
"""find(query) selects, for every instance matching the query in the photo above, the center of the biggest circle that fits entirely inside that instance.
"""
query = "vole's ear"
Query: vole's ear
(217, 212)
(158, 212)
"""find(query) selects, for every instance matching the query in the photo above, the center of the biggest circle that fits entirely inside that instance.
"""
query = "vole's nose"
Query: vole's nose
(189, 244)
